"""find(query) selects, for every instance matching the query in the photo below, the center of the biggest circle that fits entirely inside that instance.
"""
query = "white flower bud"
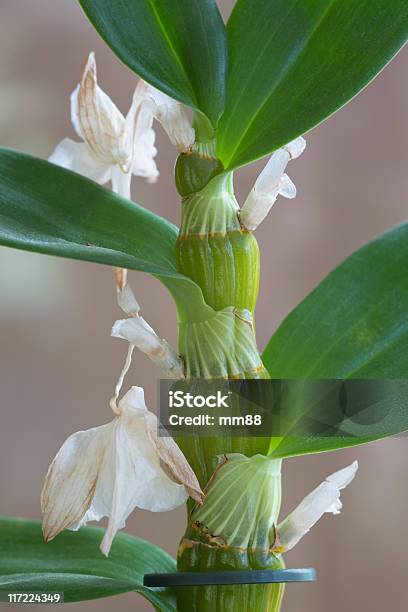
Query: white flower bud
(325, 498)
(271, 182)
(111, 469)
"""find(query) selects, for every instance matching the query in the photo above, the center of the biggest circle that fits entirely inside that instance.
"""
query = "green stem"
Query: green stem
(223, 260)
(227, 598)
(235, 530)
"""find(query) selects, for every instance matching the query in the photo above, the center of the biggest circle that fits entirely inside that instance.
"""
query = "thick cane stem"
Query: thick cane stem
(223, 259)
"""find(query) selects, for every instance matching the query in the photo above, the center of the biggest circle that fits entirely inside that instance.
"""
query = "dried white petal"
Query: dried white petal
(169, 362)
(296, 147)
(287, 188)
(144, 153)
(256, 209)
(271, 182)
(138, 332)
(173, 461)
(171, 114)
(76, 156)
(70, 483)
(325, 498)
(110, 470)
(121, 182)
(139, 132)
(270, 177)
(114, 147)
(127, 301)
(97, 118)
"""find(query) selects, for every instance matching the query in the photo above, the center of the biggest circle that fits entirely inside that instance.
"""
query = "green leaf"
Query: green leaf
(353, 325)
(72, 563)
(314, 419)
(179, 47)
(51, 210)
(292, 63)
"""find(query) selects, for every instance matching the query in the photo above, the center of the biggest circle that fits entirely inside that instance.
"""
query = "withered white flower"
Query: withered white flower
(111, 469)
(325, 498)
(271, 182)
(139, 333)
(114, 147)
(127, 301)
(171, 114)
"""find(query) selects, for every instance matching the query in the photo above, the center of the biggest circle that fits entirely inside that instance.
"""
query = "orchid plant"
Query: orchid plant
(226, 95)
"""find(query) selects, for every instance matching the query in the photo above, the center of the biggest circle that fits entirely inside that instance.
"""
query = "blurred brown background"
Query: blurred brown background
(58, 364)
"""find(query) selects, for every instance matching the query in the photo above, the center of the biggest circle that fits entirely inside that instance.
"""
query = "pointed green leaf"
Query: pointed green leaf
(317, 420)
(179, 47)
(353, 325)
(73, 564)
(51, 210)
(292, 63)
